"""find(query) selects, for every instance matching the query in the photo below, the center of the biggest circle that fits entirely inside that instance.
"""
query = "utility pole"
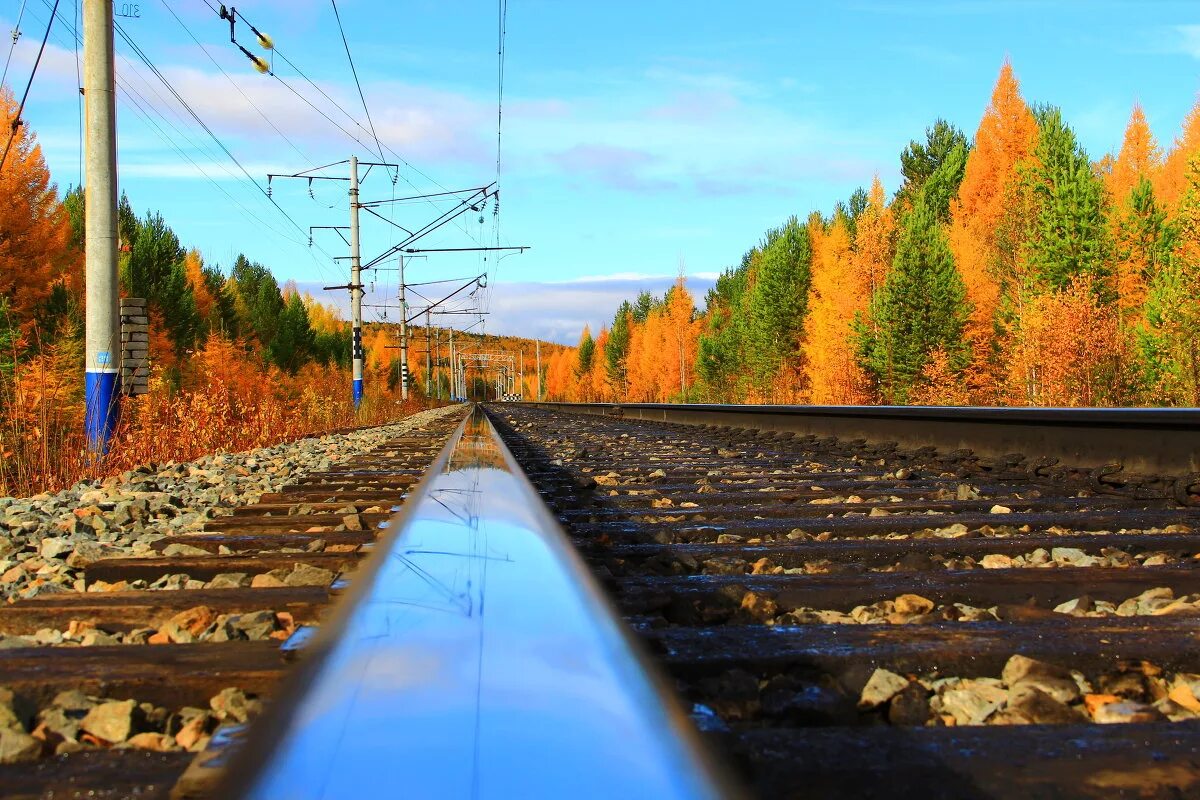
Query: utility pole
(539, 369)
(452, 371)
(428, 356)
(102, 323)
(356, 289)
(403, 336)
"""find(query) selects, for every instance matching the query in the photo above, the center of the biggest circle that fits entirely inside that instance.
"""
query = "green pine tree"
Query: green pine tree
(921, 307)
(920, 160)
(616, 349)
(1069, 235)
(777, 302)
(294, 342)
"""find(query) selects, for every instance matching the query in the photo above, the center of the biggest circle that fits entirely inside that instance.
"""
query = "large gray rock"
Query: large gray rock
(18, 746)
(114, 721)
(880, 688)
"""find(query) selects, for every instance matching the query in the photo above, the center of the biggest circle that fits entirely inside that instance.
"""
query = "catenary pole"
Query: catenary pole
(454, 378)
(102, 329)
(356, 290)
(403, 336)
(428, 356)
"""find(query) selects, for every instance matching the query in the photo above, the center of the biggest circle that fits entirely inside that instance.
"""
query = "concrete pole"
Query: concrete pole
(403, 336)
(437, 360)
(539, 369)
(357, 355)
(102, 325)
(428, 357)
(451, 370)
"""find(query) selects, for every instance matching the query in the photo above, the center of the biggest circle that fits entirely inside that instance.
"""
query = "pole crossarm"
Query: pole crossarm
(477, 280)
(518, 248)
(425, 196)
(467, 204)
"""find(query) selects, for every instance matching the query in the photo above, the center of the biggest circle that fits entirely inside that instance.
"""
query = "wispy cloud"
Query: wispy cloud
(1188, 39)
(619, 167)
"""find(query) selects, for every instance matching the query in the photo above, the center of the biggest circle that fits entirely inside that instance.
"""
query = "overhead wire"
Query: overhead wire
(79, 96)
(16, 34)
(216, 139)
(16, 123)
(147, 111)
(233, 83)
(354, 73)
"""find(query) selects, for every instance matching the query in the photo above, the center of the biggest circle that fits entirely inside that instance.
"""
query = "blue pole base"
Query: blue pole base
(100, 409)
(358, 389)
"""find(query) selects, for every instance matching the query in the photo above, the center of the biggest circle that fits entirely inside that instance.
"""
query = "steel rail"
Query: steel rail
(1150, 441)
(474, 656)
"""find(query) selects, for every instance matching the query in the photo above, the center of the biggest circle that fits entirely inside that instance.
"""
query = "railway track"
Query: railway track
(849, 619)
(837, 617)
(181, 649)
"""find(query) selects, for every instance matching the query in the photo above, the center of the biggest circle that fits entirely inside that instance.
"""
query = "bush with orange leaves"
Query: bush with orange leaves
(229, 404)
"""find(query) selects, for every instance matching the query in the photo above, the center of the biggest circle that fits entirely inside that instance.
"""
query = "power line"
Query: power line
(16, 34)
(146, 60)
(354, 72)
(250, 102)
(79, 97)
(16, 123)
(132, 97)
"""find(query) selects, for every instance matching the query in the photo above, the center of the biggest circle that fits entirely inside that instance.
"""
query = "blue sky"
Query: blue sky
(637, 135)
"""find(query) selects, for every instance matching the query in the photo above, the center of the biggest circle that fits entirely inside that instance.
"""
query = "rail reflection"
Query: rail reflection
(480, 661)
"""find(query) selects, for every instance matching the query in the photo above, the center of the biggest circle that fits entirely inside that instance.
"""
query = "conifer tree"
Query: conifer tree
(294, 340)
(587, 352)
(1139, 158)
(1172, 180)
(35, 231)
(1169, 341)
(1142, 243)
(921, 308)
(920, 160)
(1069, 237)
(155, 270)
(1007, 135)
(777, 303)
(616, 349)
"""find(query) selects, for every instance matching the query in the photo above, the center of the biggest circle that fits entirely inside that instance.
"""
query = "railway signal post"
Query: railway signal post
(356, 290)
(102, 321)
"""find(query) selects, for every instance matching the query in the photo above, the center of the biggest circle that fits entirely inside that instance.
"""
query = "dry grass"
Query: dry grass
(42, 443)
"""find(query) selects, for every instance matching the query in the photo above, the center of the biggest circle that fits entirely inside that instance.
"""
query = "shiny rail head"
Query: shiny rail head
(477, 659)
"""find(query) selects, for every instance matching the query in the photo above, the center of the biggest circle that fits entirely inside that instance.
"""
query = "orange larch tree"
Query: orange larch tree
(35, 233)
(681, 337)
(875, 240)
(836, 294)
(1139, 157)
(1007, 135)
(193, 265)
(1172, 178)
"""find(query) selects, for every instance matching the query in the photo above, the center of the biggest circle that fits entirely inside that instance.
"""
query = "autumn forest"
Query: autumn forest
(1008, 268)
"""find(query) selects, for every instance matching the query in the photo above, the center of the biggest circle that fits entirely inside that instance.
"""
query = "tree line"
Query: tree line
(1006, 269)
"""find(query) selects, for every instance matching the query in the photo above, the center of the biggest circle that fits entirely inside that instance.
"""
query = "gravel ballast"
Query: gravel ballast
(47, 540)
